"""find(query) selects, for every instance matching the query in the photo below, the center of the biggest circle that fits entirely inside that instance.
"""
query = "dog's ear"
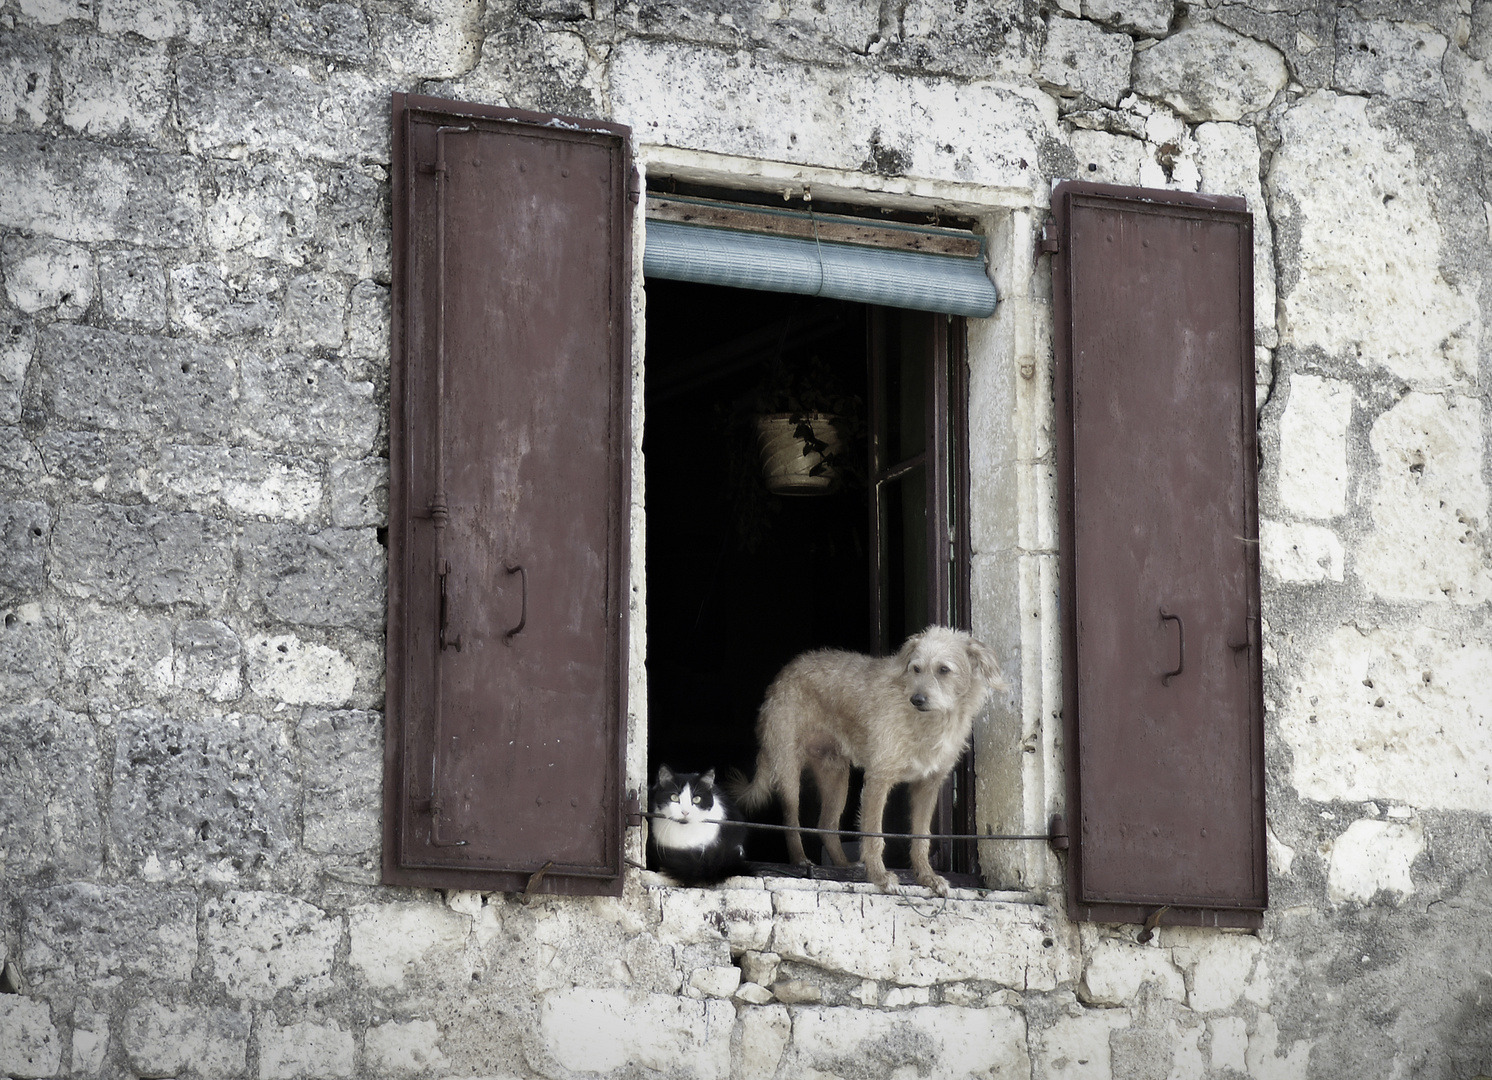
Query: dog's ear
(985, 665)
(908, 647)
(665, 774)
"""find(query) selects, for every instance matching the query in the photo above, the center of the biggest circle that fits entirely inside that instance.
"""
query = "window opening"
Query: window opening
(741, 580)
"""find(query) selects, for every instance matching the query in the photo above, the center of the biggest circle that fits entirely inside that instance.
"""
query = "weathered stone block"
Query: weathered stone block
(247, 482)
(1430, 538)
(648, 1031)
(1301, 552)
(1365, 737)
(261, 943)
(132, 289)
(1220, 965)
(1229, 165)
(127, 554)
(226, 103)
(878, 937)
(164, 1040)
(1148, 17)
(122, 658)
(17, 346)
(303, 1050)
(202, 302)
(82, 190)
(388, 940)
(1313, 446)
(90, 1040)
(760, 967)
(1117, 969)
(1108, 159)
(1081, 59)
(336, 31)
(946, 1041)
(1209, 72)
(107, 465)
(717, 982)
(42, 274)
(206, 660)
(29, 1044)
(442, 41)
(24, 530)
(302, 402)
(368, 322)
(134, 383)
(112, 90)
(211, 797)
(264, 211)
(1077, 1047)
(1399, 59)
(758, 106)
(1369, 249)
(404, 1048)
(353, 227)
(694, 916)
(343, 803)
(1229, 1043)
(28, 652)
(25, 80)
(49, 818)
(330, 578)
(1372, 857)
(764, 1035)
(154, 20)
(360, 492)
(296, 672)
(20, 464)
(81, 935)
(1307, 38)
(315, 311)
(51, 12)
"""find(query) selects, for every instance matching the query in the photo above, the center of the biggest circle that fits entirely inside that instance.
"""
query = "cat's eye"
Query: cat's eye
(673, 798)
(696, 800)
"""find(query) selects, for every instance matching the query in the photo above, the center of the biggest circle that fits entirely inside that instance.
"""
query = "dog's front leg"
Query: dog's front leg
(924, 797)
(872, 810)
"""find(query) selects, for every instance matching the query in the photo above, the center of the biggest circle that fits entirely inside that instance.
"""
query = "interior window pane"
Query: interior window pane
(904, 402)
(903, 529)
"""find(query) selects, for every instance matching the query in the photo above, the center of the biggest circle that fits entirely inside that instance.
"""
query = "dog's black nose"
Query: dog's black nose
(919, 700)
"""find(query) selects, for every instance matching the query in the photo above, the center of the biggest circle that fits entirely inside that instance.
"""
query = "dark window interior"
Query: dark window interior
(739, 579)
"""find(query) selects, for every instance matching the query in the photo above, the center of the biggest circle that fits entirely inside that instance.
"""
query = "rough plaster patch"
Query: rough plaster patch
(42, 274)
(1220, 966)
(1313, 446)
(1370, 243)
(405, 1047)
(1301, 552)
(650, 1031)
(1228, 159)
(1430, 539)
(285, 667)
(111, 90)
(1077, 1047)
(303, 1049)
(29, 1043)
(1263, 1056)
(390, 939)
(1370, 856)
(1394, 713)
(1106, 158)
(1230, 1042)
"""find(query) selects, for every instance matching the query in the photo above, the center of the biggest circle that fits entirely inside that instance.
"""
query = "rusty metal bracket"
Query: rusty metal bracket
(1058, 833)
(634, 811)
(1047, 243)
(1151, 923)
(534, 879)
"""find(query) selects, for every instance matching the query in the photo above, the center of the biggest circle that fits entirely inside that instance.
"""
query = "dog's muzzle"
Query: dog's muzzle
(919, 702)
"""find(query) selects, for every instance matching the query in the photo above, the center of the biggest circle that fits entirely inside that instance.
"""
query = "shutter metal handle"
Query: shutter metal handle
(446, 642)
(1180, 645)
(523, 616)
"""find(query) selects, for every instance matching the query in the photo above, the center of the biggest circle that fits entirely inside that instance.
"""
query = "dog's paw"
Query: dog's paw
(886, 881)
(935, 882)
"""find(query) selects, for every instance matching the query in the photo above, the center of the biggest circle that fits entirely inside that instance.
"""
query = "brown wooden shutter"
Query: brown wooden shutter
(508, 499)
(1163, 708)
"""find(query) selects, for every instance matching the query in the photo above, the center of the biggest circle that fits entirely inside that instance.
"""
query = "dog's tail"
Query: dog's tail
(750, 795)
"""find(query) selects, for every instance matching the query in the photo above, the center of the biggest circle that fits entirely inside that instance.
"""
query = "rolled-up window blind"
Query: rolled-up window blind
(743, 259)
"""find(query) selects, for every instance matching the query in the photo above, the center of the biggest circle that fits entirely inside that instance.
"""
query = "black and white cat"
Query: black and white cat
(696, 838)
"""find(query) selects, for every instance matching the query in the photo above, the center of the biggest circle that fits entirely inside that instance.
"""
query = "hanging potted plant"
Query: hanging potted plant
(803, 421)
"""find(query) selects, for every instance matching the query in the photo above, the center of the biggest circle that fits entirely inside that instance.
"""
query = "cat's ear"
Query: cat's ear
(708, 777)
(665, 774)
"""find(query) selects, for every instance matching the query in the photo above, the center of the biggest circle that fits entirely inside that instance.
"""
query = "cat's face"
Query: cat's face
(684, 797)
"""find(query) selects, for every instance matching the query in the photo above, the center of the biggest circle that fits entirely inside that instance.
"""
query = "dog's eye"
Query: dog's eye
(944, 670)
(916, 669)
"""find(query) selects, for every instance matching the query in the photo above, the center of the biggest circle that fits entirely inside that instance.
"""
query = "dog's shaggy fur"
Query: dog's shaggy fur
(903, 718)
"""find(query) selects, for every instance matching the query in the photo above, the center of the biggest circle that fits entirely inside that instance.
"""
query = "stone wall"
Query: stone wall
(194, 346)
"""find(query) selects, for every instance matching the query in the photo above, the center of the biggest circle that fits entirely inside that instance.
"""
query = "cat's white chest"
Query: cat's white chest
(684, 834)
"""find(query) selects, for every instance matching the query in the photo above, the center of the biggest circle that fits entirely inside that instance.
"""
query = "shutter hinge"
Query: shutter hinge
(634, 185)
(1057, 833)
(1048, 245)
(634, 811)
(429, 168)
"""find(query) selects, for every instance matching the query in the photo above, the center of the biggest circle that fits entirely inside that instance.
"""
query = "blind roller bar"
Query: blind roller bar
(742, 260)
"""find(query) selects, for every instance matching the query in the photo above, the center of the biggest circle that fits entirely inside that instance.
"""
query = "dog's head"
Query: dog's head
(946, 670)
